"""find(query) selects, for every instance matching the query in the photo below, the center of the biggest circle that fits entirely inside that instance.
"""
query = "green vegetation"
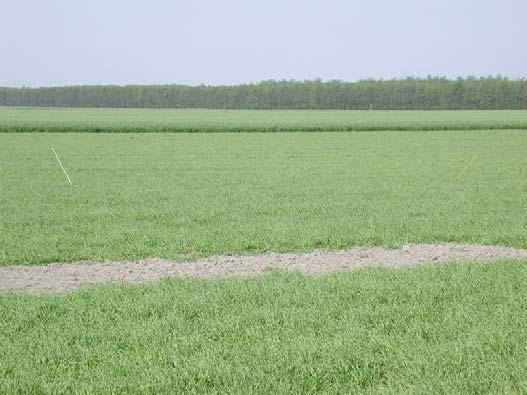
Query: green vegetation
(408, 94)
(446, 329)
(460, 328)
(182, 195)
(134, 120)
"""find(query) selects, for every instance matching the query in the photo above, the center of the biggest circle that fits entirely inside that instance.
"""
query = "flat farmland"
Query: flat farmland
(188, 195)
(95, 120)
(144, 206)
(458, 328)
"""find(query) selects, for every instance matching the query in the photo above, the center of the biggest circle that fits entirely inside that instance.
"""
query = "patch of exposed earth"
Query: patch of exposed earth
(62, 277)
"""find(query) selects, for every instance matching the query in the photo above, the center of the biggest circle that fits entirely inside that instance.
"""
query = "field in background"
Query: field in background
(460, 328)
(183, 195)
(13, 119)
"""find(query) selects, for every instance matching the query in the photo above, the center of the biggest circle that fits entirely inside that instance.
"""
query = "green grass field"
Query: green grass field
(444, 329)
(457, 328)
(180, 195)
(14, 119)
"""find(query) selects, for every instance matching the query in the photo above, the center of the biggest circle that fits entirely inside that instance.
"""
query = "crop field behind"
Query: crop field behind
(20, 119)
(186, 195)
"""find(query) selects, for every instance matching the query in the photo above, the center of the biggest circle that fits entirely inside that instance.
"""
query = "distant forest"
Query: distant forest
(490, 93)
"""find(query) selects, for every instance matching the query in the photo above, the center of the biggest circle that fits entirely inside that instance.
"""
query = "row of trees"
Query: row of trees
(408, 94)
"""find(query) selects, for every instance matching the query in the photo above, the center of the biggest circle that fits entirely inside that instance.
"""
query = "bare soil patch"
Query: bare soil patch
(62, 277)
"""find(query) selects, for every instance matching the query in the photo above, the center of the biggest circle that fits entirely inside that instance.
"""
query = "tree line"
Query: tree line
(490, 93)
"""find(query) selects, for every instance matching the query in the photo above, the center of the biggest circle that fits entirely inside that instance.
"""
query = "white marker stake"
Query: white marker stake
(62, 167)
(470, 164)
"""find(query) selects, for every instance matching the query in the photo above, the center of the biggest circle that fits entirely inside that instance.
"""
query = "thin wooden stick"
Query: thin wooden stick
(468, 166)
(62, 167)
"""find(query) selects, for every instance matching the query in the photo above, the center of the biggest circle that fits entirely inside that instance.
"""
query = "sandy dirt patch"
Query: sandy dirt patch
(62, 277)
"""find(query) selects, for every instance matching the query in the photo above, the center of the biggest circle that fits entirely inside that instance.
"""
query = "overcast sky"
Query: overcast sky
(65, 42)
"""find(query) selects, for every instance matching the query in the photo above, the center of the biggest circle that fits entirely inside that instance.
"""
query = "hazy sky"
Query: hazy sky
(65, 42)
